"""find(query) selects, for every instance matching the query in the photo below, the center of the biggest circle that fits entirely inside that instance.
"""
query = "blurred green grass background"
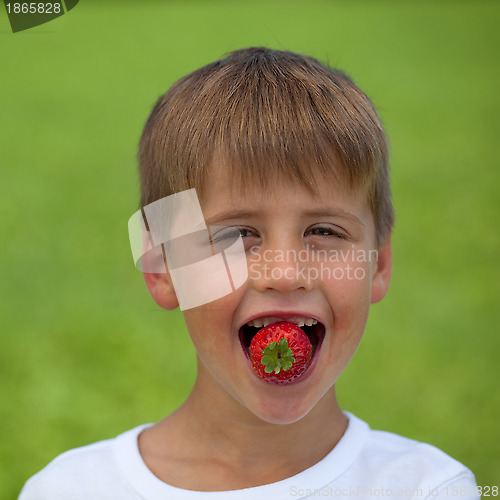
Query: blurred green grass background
(85, 353)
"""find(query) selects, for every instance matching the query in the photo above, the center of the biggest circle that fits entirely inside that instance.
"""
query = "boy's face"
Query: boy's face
(309, 256)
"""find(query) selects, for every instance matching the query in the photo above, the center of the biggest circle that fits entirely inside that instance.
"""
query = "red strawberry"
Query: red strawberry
(280, 352)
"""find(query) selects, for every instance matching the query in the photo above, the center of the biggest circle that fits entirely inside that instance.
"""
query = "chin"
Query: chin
(282, 410)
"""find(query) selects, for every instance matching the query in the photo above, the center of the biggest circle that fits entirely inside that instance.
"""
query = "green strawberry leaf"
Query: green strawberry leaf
(271, 367)
(277, 356)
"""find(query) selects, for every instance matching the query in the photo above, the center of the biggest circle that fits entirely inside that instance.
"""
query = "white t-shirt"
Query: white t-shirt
(365, 464)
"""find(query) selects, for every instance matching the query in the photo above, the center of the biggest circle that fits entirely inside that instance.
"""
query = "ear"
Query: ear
(161, 289)
(382, 269)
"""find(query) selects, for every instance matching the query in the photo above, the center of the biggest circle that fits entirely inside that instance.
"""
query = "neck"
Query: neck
(231, 430)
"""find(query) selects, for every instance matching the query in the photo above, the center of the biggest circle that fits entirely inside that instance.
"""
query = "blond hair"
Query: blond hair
(270, 114)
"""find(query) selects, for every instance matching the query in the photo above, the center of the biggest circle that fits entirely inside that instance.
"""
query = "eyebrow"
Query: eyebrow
(231, 214)
(337, 212)
(245, 214)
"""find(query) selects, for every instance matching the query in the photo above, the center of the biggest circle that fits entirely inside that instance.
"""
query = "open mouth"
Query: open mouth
(314, 330)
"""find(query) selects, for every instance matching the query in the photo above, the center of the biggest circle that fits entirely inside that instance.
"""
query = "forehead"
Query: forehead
(223, 192)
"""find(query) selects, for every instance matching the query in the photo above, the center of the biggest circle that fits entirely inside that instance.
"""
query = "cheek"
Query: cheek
(349, 294)
(210, 325)
(349, 286)
(205, 329)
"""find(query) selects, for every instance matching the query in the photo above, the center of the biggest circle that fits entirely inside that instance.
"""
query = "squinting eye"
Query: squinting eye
(325, 231)
(245, 232)
(228, 233)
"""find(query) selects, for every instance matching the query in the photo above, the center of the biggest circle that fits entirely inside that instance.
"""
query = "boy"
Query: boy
(284, 161)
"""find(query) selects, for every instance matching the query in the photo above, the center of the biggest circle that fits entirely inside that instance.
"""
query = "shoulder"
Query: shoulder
(395, 449)
(390, 459)
(91, 471)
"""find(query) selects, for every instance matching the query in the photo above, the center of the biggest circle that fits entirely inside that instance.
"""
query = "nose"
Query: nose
(280, 267)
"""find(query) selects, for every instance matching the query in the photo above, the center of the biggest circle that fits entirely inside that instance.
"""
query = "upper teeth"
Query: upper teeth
(299, 321)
